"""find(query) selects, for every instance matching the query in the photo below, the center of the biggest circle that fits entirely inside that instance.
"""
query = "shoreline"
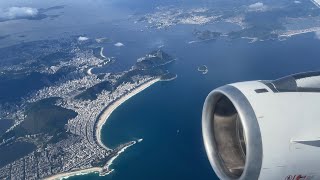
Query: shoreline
(102, 171)
(75, 173)
(101, 53)
(108, 111)
(110, 161)
(103, 117)
(171, 79)
(89, 71)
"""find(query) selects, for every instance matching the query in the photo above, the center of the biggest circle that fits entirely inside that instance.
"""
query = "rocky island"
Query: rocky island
(203, 69)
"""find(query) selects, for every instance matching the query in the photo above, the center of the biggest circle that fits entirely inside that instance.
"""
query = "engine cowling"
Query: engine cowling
(264, 130)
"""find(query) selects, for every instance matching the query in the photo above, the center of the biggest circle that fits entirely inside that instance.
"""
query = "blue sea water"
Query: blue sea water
(4, 125)
(168, 114)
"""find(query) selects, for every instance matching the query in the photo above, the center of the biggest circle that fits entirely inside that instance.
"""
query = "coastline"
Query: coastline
(108, 111)
(101, 121)
(102, 171)
(101, 52)
(89, 71)
(171, 79)
(74, 173)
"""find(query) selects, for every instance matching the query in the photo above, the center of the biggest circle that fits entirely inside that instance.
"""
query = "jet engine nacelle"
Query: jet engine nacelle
(265, 130)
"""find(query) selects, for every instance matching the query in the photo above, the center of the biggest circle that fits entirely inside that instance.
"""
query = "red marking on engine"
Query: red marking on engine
(296, 177)
(300, 177)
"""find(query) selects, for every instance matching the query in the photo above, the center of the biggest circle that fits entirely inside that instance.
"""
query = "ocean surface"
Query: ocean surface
(167, 115)
(4, 125)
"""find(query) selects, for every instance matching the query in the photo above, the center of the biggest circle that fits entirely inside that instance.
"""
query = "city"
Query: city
(82, 148)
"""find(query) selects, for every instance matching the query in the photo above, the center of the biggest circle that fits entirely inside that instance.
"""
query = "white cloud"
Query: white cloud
(83, 38)
(18, 13)
(119, 44)
(259, 6)
(297, 2)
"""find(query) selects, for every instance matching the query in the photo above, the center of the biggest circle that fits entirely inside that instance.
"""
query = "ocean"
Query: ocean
(167, 115)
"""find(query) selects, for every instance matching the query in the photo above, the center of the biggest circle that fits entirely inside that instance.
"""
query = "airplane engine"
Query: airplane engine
(265, 130)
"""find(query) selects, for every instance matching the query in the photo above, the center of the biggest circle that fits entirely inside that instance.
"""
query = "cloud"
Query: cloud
(18, 13)
(119, 44)
(82, 38)
(297, 2)
(259, 6)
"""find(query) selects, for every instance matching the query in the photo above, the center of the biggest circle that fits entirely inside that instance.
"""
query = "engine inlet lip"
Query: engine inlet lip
(251, 128)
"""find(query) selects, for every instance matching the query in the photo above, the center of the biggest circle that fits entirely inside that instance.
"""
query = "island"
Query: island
(203, 69)
(59, 124)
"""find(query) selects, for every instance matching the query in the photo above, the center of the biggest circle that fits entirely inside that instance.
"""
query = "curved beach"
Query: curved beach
(74, 173)
(89, 71)
(108, 111)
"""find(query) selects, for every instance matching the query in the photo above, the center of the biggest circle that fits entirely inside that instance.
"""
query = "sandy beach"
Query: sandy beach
(101, 52)
(69, 174)
(108, 111)
(94, 169)
(89, 71)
